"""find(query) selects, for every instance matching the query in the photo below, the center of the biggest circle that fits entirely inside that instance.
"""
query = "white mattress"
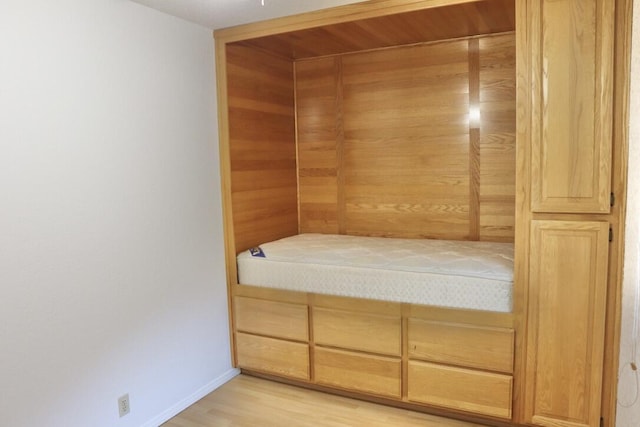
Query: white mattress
(457, 274)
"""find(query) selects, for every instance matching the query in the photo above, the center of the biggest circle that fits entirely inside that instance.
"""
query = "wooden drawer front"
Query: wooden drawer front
(272, 355)
(357, 331)
(277, 319)
(456, 344)
(478, 392)
(366, 373)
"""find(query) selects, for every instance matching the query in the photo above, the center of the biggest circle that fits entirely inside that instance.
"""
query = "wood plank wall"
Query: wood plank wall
(497, 138)
(262, 146)
(387, 145)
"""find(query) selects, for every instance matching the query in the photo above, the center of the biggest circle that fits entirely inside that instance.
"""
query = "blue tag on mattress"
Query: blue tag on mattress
(257, 252)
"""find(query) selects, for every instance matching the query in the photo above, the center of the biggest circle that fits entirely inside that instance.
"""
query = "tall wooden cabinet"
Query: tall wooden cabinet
(571, 111)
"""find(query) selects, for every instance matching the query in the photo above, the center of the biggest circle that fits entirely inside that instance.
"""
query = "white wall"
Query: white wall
(111, 256)
(628, 410)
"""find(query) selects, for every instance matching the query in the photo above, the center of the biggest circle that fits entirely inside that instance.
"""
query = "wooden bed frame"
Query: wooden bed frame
(499, 120)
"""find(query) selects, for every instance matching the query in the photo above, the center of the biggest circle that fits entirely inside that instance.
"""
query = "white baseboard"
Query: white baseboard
(190, 400)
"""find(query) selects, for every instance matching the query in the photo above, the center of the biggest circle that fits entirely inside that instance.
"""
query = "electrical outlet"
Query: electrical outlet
(123, 405)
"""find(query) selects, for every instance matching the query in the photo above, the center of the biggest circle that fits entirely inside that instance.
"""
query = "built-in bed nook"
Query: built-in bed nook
(418, 202)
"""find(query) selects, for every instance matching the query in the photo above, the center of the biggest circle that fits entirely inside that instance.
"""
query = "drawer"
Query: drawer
(274, 356)
(360, 372)
(358, 331)
(275, 319)
(467, 390)
(463, 345)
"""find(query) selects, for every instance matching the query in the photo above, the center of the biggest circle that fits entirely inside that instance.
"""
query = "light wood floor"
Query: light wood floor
(252, 402)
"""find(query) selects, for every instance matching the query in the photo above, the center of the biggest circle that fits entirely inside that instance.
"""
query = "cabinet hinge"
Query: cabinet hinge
(612, 199)
(610, 234)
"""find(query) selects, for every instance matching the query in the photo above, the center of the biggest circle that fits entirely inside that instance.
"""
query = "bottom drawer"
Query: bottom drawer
(463, 389)
(360, 372)
(272, 355)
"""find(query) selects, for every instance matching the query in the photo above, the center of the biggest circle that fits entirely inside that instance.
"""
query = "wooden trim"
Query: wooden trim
(619, 167)
(312, 339)
(225, 179)
(340, 147)
(525, 86)
(296, 141)
(405, 352)
(474, 139)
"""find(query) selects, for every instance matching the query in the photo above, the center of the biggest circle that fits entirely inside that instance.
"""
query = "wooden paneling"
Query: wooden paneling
(497, 138)
(262, 146)
(462, 345)
(277, 319)
(428, 24)
(406, 141)
(319, 143)
(572, 109)
(357, 331)
(273, 356)
(361, 372)
(462, 389)
(567, 291)
(387, 144)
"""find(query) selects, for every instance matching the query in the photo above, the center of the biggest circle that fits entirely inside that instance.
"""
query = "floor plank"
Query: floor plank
(247, 401)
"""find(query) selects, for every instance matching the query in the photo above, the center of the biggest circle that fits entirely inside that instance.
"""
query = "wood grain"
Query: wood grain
(247, 401)
(356, 371)
(474, 139)
(463, 389)
(567, 294)
(497, 137)
(383, 138)
(357, 331)
(427, 24)
(280, 357)
(319, 141)
(462, 345)
(573, 58)
(619, 166)
(262, 155)
(271, 318)
(405, 136)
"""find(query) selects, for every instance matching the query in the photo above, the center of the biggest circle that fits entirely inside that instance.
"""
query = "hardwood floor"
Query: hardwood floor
(249, 402)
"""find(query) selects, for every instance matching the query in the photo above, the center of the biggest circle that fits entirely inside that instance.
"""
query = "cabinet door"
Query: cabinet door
(572, 95)
(567, 290)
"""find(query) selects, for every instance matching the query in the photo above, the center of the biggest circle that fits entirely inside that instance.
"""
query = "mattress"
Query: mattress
(456, 274)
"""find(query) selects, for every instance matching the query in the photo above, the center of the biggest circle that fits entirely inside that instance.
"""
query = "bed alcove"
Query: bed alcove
(428, 120)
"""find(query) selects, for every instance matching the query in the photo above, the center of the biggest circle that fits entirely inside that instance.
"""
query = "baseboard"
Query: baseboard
(190, 400)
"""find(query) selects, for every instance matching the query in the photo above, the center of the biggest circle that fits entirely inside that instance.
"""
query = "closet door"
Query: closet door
(572, 93)
(567, 292)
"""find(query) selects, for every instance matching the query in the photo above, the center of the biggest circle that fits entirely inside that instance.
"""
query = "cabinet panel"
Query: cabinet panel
(463, 345)
(361, 372)
(357, 331)
(278, 319)
(567, 290)
(463, 389)
(572, 104)
(273, 356)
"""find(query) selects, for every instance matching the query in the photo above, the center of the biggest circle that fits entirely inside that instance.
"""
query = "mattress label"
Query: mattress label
(257, 252)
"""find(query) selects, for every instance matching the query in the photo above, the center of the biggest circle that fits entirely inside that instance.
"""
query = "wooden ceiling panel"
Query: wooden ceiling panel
(432, 24)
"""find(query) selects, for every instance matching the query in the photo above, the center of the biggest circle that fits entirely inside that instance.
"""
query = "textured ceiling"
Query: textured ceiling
(216, 14)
